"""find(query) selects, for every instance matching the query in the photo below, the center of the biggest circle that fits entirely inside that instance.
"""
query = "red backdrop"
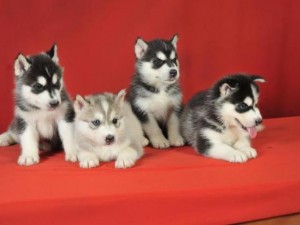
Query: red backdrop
(96, 41)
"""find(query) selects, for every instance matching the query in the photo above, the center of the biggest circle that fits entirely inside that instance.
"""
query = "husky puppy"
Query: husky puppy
(155, 94)
(107, 129)
(43, 112)
(219, 121)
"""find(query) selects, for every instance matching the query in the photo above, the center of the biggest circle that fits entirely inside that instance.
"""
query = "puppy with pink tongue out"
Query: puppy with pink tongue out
(220, 121)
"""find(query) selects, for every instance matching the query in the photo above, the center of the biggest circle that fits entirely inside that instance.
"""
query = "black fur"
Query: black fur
(18, 125)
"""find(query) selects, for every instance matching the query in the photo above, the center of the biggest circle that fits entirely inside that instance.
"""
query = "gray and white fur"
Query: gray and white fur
(155, 93)
(219, 122)
(106, 129)
(43, 112)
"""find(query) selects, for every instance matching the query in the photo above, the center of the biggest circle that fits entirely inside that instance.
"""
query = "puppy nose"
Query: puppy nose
(109, 139)
(258, 121)
(173, 73)
(53, 103)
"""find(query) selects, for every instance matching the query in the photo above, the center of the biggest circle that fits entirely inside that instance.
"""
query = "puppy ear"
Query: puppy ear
(53, 53)
(22, 64)
(140, 48)
(257, 78)
(225, 89)
(174, 40)
(120, 98)
(79, 103)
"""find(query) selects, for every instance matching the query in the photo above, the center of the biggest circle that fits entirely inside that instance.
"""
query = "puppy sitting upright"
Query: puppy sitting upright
(107, 129)
(43, 111)
(219, 121)
(155, 94)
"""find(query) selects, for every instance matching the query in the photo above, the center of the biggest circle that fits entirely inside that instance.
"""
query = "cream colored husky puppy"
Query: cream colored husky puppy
(106, 129)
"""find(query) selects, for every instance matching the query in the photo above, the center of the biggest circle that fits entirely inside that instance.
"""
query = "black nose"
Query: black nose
(173, 73)
(258, 121)
(54, 103)
(109, 139)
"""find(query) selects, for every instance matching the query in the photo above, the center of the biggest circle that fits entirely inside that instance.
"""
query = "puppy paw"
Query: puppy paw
(71, 157)
(5, 139)
(27, 160)
(160, 142)
(145, 142)
(250, 152)
(89, 162)
(176, 141)
(237, 157)
(123, 163)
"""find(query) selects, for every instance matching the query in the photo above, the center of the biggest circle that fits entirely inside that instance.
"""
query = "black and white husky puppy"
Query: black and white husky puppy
(219, 121)
(43, 112)
(155, 94)
(106, 129)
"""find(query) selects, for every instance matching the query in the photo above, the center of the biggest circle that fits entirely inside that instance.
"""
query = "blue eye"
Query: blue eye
(96, 123)
(242, 107)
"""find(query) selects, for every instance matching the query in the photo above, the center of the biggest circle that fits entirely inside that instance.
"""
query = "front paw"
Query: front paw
(176, 141)
(27, 160)
(89, 162)
(160, 142)
(71, 157)
(237, 157)
(123, 163)
(250, 152)
(145, 142)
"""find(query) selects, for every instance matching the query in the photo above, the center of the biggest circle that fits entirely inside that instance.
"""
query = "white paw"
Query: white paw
(145, 142)
(160, 142)
(71, 157)
(250, 152)
(5, 140)
(27, 160)
(123, 163)
(89, 162)
(176, 141)
(237, 157)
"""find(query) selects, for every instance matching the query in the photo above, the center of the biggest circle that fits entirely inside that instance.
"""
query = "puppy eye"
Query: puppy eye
(158, 62)
(114, 121)
(37, 87)
(242, 107)
(96, 123)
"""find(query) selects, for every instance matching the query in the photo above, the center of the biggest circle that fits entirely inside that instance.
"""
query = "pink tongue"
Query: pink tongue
(252, 132)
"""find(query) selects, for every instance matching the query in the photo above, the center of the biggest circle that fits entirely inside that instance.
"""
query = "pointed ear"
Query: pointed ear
(120, 98)
(257, 78)
(174, 40)
(79, 103)
(53, 53)
(140, 48)
(225, 89)
(22, 64)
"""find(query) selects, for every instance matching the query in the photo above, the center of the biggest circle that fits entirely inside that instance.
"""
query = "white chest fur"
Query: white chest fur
(231, 135)
(45, 123)
(159, 104)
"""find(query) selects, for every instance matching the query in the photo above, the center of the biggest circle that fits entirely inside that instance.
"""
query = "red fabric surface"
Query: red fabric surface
(165, 187)
(96, 43)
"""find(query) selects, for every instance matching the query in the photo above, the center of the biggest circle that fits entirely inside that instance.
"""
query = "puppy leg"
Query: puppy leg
(173, 131)
(87, 159)
(126, 158)
(243, 145)
(65, 130)
(7, 139)
(154, 133)
(226, 152)
(29, 141)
